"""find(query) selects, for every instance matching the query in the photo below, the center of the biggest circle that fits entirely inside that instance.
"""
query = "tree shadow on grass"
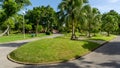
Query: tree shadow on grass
(110, 48)
(91, 46)
(96, 39)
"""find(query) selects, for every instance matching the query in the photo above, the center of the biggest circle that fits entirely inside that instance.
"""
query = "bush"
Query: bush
(33, 35)
(28, 27)
(40, 28)
(48, 33)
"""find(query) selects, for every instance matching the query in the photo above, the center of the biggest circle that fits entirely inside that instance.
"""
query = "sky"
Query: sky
(106, 5)
(102, 5)
(52, 3)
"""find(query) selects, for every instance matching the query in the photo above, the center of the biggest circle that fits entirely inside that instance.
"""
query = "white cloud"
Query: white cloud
(113, 1)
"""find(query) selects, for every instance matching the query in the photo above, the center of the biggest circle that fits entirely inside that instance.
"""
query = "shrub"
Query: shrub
(48, 33)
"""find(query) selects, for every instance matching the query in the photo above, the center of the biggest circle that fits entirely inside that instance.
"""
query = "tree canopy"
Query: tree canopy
(44, 16)
(11, 7)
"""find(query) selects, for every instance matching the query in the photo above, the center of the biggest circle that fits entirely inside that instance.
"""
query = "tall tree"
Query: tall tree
(70, 9)
(115, 14)
(97, 22)
(44, 16)
(18, 22)
(34, 17)
(90, 15)
(110, 23)
(48, 18)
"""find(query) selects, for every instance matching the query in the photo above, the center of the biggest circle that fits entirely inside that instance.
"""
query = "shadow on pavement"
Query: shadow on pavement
(80, 64)
(111, 64)
(111, 48)
(12, 44)
(61, 65)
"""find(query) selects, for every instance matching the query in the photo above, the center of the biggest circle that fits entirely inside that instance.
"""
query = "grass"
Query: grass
(97, 37)
(15, 37)
(102, 37)
(52, 50)
(56, 49)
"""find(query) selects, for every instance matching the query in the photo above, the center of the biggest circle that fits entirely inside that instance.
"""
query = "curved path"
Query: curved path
(107, 56)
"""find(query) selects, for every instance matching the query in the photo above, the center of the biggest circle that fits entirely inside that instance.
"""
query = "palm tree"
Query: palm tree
(90, 14)
(71, 8)
(97, 23)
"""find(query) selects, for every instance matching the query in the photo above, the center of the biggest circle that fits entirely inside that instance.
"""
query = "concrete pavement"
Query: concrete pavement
(107, 56)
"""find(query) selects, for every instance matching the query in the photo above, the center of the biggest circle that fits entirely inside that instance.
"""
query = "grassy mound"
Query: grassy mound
(52, 50)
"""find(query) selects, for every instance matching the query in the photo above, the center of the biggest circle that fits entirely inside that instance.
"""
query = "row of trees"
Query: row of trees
(79, 15)
(73, 16)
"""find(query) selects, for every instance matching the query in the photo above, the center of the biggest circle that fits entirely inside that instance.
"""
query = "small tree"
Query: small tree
(109, 23)
(28, 27)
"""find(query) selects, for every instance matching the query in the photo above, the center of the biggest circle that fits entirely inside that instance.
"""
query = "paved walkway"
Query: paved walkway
(107, 56)
(33, 39)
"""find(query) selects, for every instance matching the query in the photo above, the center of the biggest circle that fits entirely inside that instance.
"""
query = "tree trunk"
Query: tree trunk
(94, 34)
(8, 32)
(48, 26)
(37, 28)
(108, 33)
(73, 37)
(89, 34)
(5, 31)
(89, 30)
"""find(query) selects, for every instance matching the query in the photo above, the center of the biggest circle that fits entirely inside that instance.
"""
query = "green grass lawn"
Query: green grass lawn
(52, 50)
(15, 37)
(55, 49)
(102, 37)
(97, 37)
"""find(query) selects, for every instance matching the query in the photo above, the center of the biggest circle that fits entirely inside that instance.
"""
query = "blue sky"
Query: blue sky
(102, 5)
(106, 5)
(52, 3)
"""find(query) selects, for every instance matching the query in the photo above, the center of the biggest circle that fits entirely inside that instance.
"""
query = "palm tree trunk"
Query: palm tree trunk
(73, 37)
(89, 30)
